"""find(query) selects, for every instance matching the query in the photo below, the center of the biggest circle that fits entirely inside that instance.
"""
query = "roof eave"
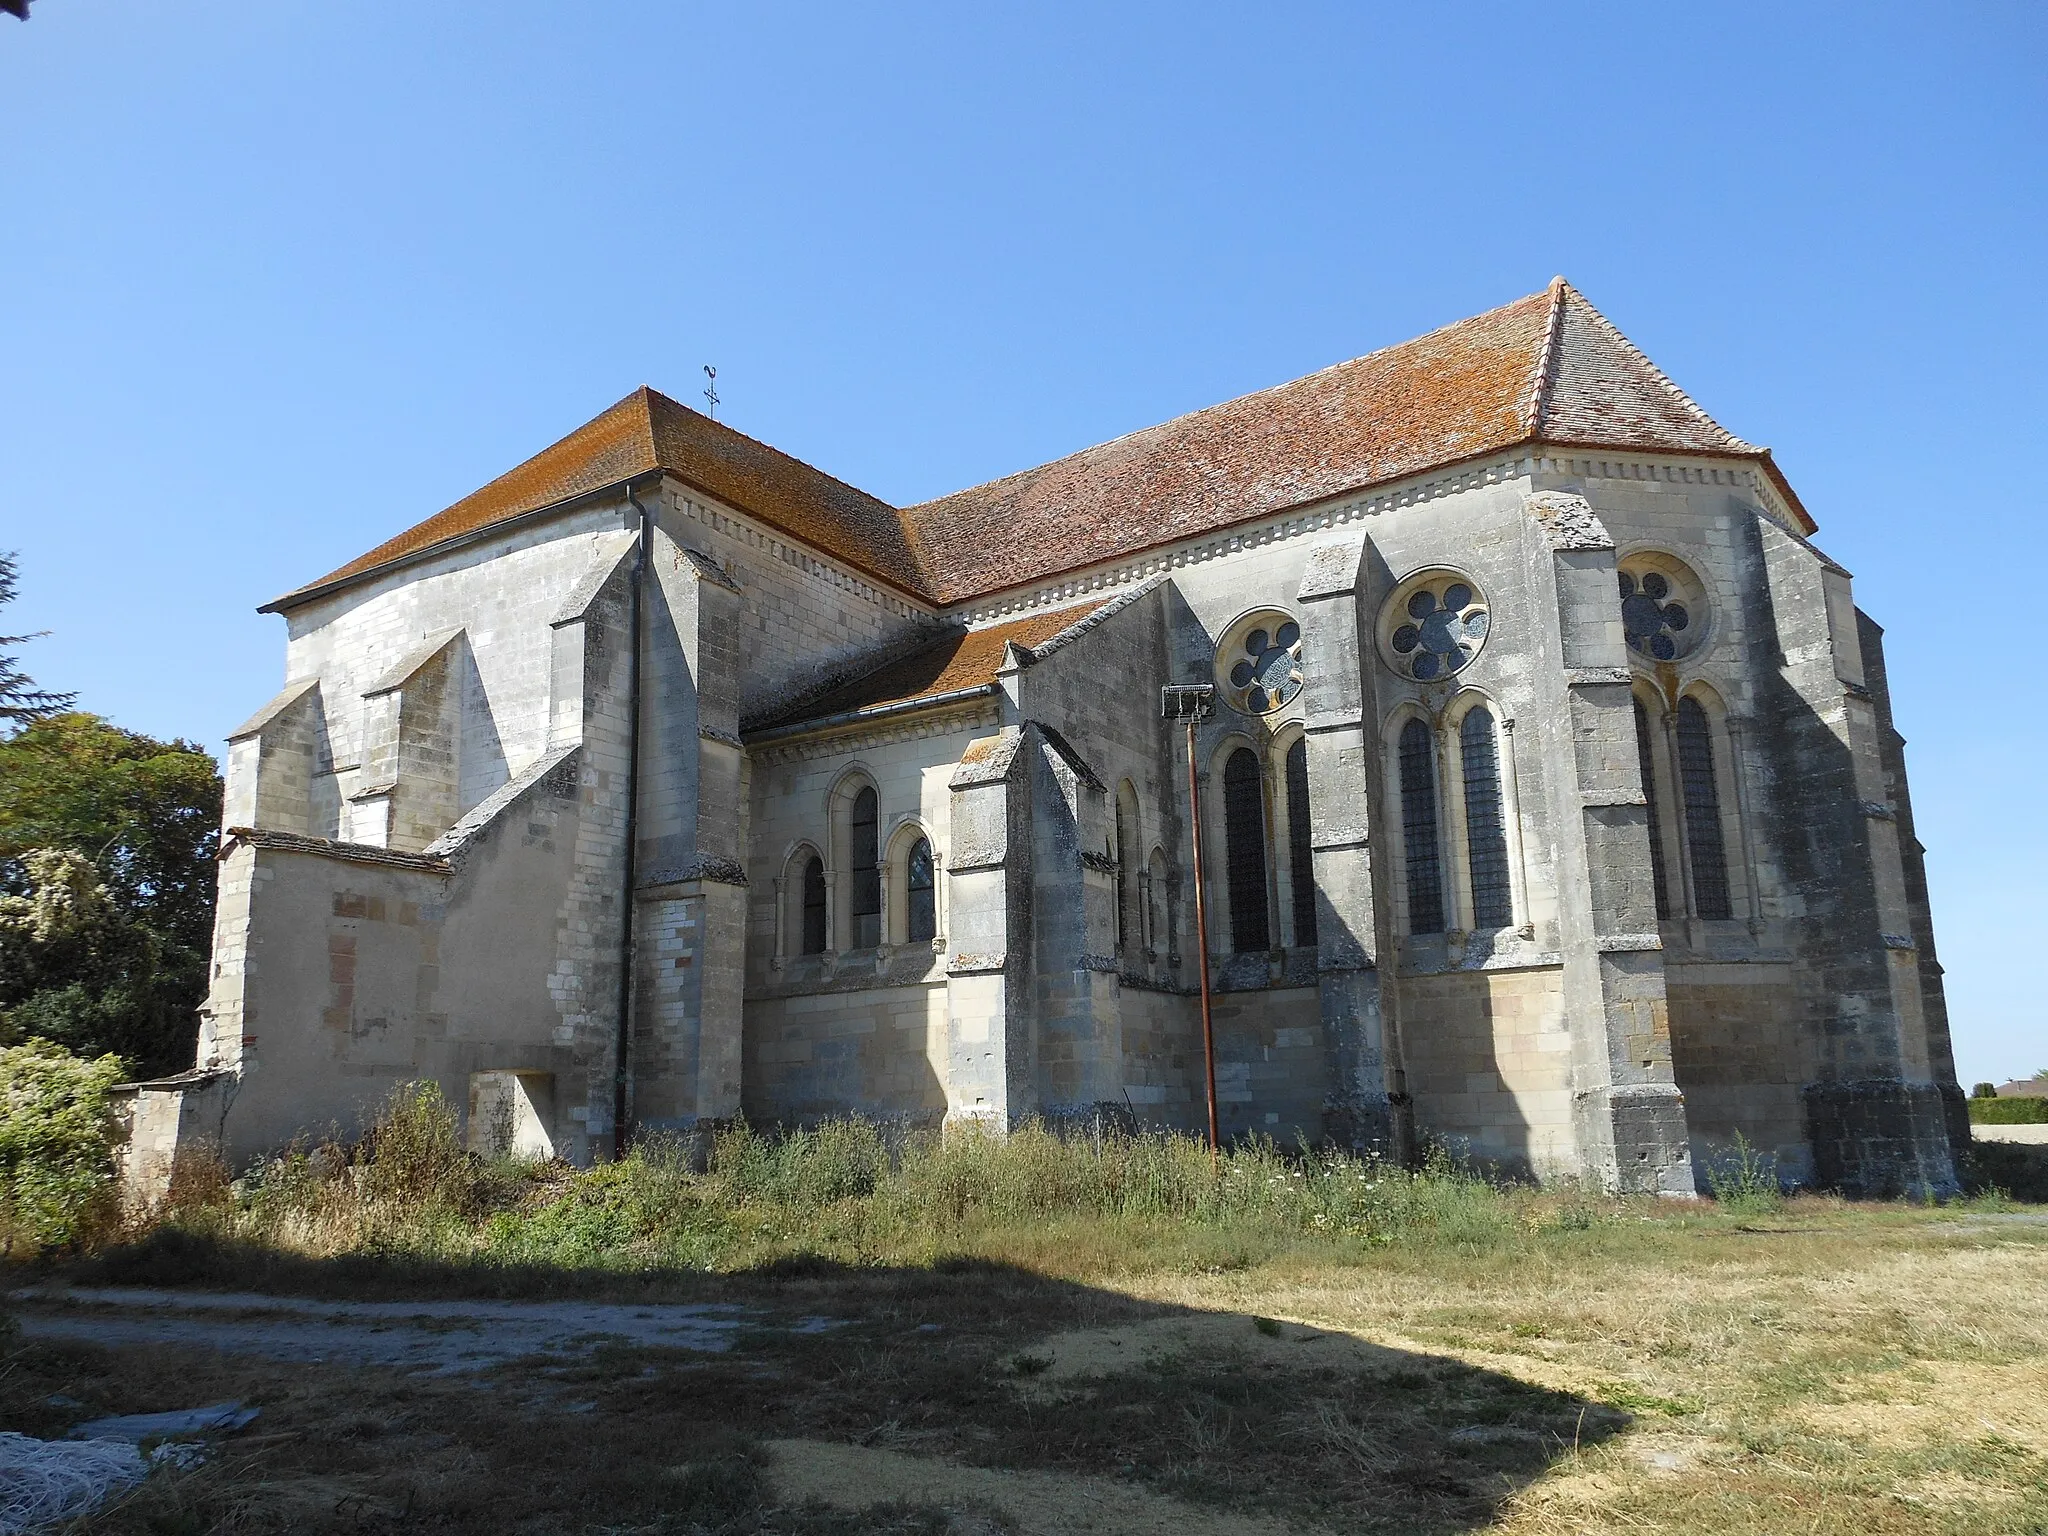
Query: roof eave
(872, 712)
(581, 499)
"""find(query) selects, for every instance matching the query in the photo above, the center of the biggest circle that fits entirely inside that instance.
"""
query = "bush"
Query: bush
(1745, 1181)
(56, 1144)
(2013, 1111)
(1984, 1091)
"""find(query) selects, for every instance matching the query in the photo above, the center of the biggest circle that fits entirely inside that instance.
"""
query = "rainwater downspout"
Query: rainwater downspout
(621, 1055)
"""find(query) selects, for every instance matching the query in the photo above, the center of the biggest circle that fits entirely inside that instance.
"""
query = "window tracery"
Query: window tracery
(1258, 663)
(1663, 606)
(1434, 625)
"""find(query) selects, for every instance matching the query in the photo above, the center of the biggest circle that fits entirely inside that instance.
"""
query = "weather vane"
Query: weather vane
(711, 390)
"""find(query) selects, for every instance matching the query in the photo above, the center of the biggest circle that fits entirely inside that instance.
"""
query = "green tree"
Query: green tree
(20, 699)
(105, 951)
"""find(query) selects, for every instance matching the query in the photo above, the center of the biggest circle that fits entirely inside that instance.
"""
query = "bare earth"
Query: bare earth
(1830, 1370)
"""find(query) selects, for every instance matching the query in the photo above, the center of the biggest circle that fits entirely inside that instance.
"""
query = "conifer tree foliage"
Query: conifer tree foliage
(20, 699)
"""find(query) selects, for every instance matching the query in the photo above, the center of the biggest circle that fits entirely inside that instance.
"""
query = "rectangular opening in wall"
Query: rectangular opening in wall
(512, 1114)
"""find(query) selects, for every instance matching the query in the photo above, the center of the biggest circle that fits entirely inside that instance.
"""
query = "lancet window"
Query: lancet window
(1419, 829)
(921, 894)
(815, 937)
(1702, 812)
(1244, 839)
(1646, 757)
(865, 870)
(1486, 828)
(1301, 865)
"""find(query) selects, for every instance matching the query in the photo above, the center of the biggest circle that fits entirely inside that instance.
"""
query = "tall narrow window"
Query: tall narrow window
(1301, 859)
(1486, 827)
(1702, 811)
(1129, 921)
(1418, 830)
(922, 888)
(814, 906)
(1647, 759)
(864, 864)
(1244, 837)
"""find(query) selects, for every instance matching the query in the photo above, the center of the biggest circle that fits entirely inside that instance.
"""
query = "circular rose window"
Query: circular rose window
(1434, 625)
(1663, 607)
(1259, 663)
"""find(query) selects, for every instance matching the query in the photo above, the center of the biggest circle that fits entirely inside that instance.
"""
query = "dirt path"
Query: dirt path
(440, 1337)
(856, 1477)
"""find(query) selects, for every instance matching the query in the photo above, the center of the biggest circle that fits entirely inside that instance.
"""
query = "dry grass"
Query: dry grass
(1454, 1359)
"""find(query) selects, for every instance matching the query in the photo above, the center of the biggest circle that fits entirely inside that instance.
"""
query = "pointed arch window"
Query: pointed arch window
(864, 865)
(922, 888)
(1419, 829)
(1244, 840)
(1486, 828)
(814, 906)
(1301, 861)
(1129, 919)
(1646, 758)
(1702, 812)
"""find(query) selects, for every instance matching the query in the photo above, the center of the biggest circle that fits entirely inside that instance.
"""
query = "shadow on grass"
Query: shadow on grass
(966, 1364)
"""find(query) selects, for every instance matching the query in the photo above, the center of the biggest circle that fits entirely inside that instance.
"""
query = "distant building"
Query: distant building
(1553, 806)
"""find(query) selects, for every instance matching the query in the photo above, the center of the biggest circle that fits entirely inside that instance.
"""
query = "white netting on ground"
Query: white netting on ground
(46, 1480)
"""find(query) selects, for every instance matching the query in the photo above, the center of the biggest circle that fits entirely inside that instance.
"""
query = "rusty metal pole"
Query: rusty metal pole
(1202, 945)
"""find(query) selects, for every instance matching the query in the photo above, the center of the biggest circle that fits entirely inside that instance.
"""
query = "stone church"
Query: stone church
(1551, 806)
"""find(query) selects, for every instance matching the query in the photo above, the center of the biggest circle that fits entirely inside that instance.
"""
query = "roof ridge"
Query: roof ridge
(1218, 405)
(1614, 334)
(1545, 377)
(759, 442)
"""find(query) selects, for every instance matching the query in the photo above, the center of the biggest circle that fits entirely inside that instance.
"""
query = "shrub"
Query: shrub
(412, 1155)
(1984, 1091)
(1745, 1181)
(2013, 1111)
(56, 1147)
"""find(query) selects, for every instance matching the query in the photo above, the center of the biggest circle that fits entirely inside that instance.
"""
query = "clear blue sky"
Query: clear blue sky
(284, 277)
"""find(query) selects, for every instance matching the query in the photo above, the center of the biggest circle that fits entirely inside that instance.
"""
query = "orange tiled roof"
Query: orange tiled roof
(647, 431)
(1547, 368)
(955, 660)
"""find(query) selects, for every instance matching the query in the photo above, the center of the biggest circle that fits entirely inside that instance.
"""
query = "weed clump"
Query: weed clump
(1745, 1181)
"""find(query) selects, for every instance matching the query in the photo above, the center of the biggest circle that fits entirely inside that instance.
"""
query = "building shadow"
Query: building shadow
(974, 1363)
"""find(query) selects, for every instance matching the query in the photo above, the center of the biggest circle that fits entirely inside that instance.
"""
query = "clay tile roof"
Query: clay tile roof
(645, 432)
(956, 660)
(1546, 368)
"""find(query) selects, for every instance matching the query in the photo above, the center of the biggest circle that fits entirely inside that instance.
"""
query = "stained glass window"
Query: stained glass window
(1646, 757)
(1418, 830)
(922, 888)
(814, 906)
(1652, 620)
(1447, 623)
(863, 861)
(1486, 829)
(1301, 862)
(1702, 811)
(1265, 667)
(1244, 839)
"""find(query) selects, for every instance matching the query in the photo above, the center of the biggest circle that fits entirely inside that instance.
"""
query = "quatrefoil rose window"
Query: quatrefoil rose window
(1434, 625)
(1663, 608)
(1259, 663)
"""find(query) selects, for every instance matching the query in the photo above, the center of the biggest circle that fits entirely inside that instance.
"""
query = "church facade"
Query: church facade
(1551, 807)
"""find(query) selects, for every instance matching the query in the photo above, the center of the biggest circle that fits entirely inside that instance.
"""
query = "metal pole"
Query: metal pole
(1202, 944)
